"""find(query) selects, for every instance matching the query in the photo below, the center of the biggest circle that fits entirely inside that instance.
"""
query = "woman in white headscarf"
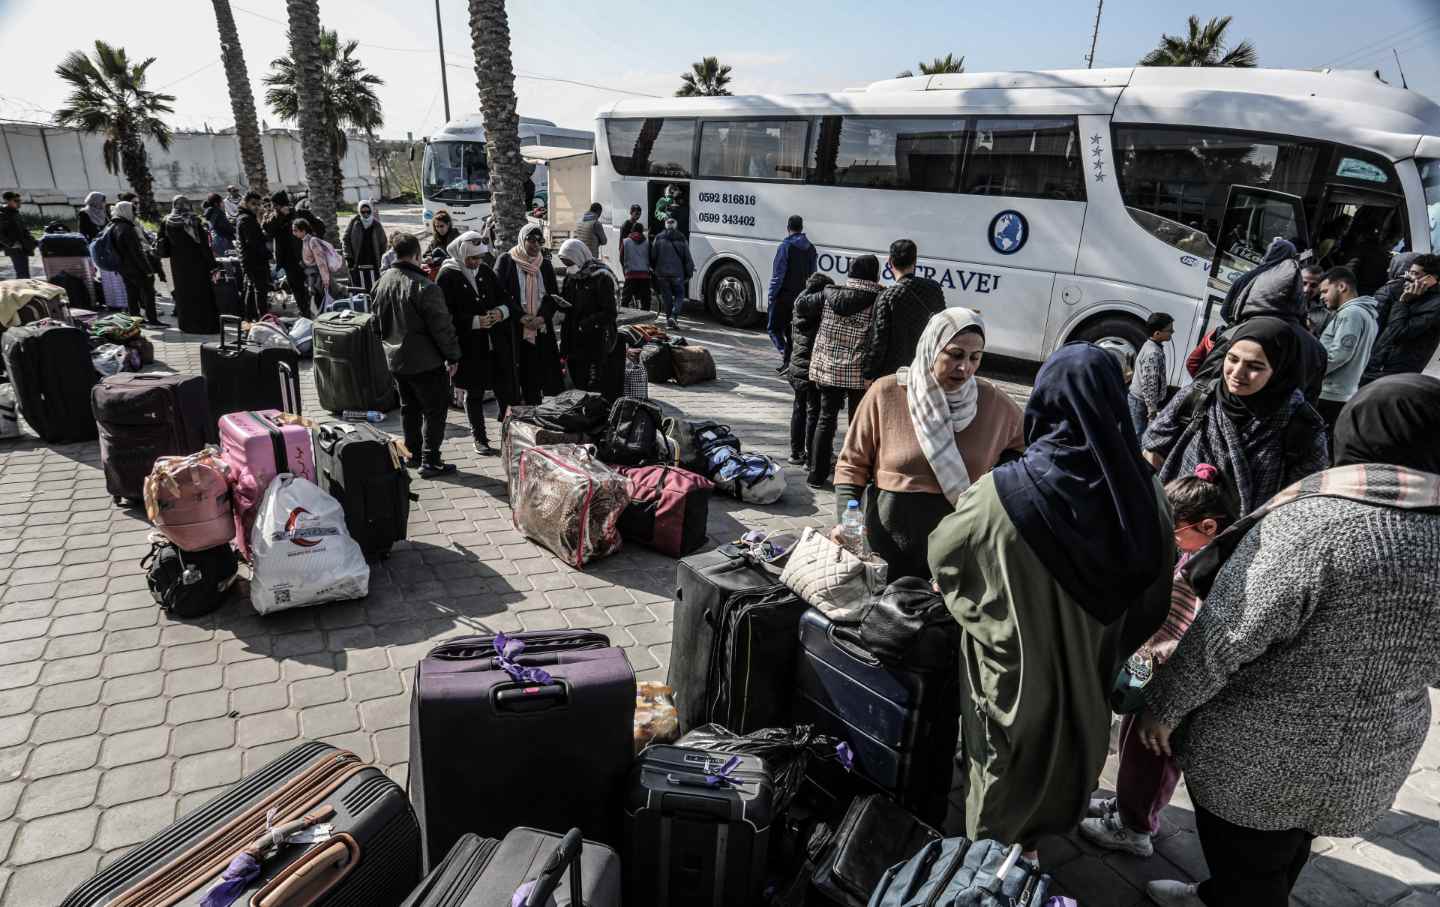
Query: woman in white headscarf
(527, 278)
(93, 216)
(921, 436)
(588, 339)
(364, 246)
(487, 356)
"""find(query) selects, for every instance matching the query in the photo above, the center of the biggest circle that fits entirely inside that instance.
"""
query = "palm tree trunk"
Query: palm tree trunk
(315, 138)
(495, 80)
(242, 99)
(135, 164)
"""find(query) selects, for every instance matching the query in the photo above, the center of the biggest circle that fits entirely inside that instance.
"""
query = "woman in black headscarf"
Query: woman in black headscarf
(1058, 562)
(1252, 421)
(1319, 635)
(185, 240)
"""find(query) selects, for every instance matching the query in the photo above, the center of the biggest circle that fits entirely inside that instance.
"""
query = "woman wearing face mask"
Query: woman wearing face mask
(921, 436)
(528, 281)
(477, 305)
(364, 247)
(1203, 507)
(1252, 422)
(594, 358)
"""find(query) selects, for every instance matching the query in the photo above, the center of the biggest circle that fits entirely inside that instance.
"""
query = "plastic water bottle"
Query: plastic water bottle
(852, 531)
(355, 415)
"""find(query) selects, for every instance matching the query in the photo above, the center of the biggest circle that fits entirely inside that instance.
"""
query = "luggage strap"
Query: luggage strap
(277, 440)
(185, 873)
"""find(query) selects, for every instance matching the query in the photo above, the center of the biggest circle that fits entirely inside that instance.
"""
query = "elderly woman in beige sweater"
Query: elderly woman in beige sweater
(921, 436)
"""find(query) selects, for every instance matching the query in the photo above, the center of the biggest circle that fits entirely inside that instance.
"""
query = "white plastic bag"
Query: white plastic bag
(108, 359)
(302, 334)
(301, 551)
(9, 415)
(267, 335)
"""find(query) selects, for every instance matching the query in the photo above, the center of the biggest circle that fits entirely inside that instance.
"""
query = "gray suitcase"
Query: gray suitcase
(485, 872)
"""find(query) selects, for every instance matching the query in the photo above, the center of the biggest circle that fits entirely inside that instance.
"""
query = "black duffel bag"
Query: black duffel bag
(189, 583)
(909, 625)
(576, 412)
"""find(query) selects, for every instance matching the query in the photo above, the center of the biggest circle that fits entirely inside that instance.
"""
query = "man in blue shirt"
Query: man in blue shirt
(795, 261)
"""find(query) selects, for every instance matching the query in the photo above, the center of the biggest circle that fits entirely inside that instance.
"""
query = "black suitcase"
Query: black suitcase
(49, 366)
(361, 467)
(143, 417)
(240, 375)
(876, 833)
(63, 245)
(200, 314)
(372, 855)
(732, 654)
(229, 287)
(484, 872)
(350, 368)
(488, 751)
(697, 828)
(902, 725)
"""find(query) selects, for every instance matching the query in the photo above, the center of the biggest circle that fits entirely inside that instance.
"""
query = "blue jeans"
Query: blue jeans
(1139, 416)
(672, 292)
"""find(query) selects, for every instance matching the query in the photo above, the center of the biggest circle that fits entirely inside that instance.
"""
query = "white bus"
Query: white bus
(455, 175)
(1063, 205)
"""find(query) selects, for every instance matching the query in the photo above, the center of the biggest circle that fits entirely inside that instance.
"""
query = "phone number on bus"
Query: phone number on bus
(724, 198)
(739, 220)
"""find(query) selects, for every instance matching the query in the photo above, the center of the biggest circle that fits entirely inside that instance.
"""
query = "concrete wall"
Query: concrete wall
(53, 169)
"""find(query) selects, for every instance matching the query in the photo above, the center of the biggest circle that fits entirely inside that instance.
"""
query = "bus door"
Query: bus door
(1360, 228)
(1253, 218)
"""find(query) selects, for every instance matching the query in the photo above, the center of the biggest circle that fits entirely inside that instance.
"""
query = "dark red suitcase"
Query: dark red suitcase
(143, 417)
(489, 752)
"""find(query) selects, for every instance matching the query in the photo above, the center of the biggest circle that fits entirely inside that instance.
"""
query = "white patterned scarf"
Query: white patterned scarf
(937, 414)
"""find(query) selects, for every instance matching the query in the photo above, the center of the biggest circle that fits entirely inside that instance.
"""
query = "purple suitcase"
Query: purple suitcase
(489, 751)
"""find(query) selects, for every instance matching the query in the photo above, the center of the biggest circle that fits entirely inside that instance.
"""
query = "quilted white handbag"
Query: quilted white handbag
(827, 577)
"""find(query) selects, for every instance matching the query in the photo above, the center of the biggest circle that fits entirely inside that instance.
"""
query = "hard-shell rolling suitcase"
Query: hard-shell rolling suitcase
(362, 467)
(66, 260)
(697, 828)
(365, 848)
(902, 725)
(229, 280)
(49, 366)
(240, 375)
(527, 867)
(258, 445)
(732, 655)
(542, 735)
(143, 417)
(350, 367)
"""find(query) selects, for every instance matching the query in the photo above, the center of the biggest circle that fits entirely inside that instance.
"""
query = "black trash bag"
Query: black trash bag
(787, 752)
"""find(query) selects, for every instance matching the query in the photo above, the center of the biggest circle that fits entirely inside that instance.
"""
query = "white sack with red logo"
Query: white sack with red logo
(301, 552)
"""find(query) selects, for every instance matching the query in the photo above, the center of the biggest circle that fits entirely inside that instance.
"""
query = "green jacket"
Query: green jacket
(416, 328)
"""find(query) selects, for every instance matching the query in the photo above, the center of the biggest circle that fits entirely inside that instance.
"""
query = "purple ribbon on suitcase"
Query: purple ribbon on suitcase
(507, 649)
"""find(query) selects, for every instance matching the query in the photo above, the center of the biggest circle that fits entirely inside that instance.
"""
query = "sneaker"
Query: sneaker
(1168, 893)
(412, 463)
(798, 460)
(483, 448)
(672, 323)
(1100, 807)
(436, 468)
(1110, 833)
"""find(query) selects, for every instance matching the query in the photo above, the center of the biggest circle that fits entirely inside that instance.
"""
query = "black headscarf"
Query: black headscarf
(1081, 497)
(1394, 420)
(1280, 343)
(1279, 252)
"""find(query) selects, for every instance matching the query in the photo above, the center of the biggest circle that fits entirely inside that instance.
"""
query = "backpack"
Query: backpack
(188, 583)
(334, 261)
(578, 412)
(958, 872)
(103, 250)
(753, 478)
(633, 437)
(689, 448)
(1194, 409)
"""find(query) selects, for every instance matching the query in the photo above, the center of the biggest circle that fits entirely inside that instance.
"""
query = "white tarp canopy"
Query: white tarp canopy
(569, 185)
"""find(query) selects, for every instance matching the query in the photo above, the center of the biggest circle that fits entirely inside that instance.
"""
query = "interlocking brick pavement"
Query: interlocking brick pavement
(114, 719)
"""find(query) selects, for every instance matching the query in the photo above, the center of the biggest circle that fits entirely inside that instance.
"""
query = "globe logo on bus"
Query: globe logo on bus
(1008, 232)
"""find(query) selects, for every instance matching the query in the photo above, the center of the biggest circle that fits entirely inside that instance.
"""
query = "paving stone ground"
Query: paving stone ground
(114, 719)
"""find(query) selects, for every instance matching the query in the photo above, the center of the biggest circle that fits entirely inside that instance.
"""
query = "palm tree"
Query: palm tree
(109, 97)
(495, 81)
(242, 98)
(707, 78)
(1203, 46)
(316, 141)
(347, 95)
(939, 67)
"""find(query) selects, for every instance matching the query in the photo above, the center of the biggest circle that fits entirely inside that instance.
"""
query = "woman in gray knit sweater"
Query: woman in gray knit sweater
(1300, 692)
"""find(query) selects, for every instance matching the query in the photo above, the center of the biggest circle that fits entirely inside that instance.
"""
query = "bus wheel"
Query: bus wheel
(731, 296)
(1117, 335)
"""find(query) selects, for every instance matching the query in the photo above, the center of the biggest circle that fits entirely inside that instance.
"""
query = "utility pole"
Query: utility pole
(1094, 37)
(1403, 83)
(444, 82)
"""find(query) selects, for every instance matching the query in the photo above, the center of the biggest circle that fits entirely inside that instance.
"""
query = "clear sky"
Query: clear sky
(643, 46)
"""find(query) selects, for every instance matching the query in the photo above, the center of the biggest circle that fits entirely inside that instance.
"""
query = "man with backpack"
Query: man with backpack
(673, 266)
(254, 256)
(16, 240)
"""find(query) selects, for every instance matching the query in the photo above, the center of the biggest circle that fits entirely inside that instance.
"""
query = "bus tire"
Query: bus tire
(730, 294)
(1119, 335)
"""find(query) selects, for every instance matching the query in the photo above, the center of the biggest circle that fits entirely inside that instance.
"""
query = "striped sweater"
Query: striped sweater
(1301, 688)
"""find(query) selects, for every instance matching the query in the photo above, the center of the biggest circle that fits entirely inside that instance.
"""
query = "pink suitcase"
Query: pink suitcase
(258, 446)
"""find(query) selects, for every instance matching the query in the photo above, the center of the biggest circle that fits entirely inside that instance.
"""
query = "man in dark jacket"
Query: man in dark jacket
(287, 249)
(254, 256)
(135, 267)
(795, 261)
(14, 238)
(422, 350)
(673, 266)
(1410, 331)
(901, 313)
(804, 325)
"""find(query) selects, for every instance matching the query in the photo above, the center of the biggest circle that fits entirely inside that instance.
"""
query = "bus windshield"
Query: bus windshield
(456, 172)
(1430, 179)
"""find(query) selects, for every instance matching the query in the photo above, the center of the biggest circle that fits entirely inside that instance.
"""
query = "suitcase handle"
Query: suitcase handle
(851, 649)
(230, 320)
(289, 389)
(566, 854)
(530, 697)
